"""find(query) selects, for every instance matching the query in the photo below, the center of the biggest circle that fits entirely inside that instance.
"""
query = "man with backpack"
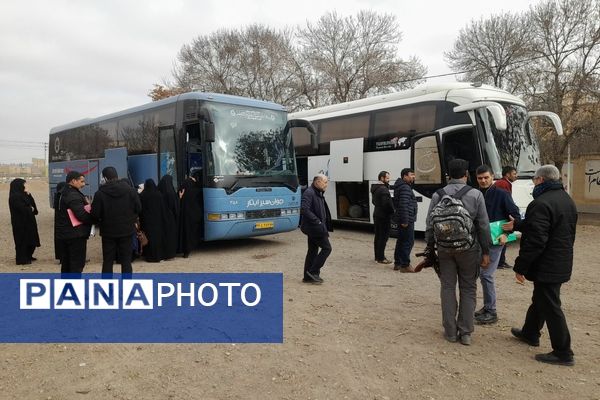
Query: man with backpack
(458, 224)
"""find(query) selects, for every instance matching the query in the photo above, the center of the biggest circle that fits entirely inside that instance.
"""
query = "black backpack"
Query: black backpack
(452, 224)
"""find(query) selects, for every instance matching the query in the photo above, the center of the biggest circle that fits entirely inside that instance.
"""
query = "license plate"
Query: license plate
(264, 225)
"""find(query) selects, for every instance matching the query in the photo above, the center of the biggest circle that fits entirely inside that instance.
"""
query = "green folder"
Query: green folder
(496, 231)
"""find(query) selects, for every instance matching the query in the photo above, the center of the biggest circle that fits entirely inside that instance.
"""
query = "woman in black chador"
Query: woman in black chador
(171, 201)
(22, 216)
(151, 221)
(191, 215)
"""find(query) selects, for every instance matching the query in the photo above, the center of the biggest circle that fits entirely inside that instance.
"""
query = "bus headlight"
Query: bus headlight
(289, 211)
(226, 216)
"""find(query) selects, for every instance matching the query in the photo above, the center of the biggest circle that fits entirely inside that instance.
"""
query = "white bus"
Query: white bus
(422, 129)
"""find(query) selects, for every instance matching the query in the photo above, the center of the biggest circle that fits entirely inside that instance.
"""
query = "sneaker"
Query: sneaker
(487, 318)
(518, 333)
(551, 358)
(384, 261)
(408, 268)
(465, 339)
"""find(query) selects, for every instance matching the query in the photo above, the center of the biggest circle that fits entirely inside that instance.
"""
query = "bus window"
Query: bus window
(391, 126)
(301, 138)
(342, 128)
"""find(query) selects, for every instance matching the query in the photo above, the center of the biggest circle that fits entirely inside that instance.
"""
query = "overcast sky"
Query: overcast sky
(61, 61)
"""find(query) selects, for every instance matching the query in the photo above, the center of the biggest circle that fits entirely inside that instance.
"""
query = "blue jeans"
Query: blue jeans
(404, 245)
(487, 277)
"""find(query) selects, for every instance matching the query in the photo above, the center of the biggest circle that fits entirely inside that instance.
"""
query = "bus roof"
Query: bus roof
(458, 92)
(214, 97)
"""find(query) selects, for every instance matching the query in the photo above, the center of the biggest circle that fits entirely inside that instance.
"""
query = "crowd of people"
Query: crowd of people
(458, 236)
(461, 245)
(170, 222)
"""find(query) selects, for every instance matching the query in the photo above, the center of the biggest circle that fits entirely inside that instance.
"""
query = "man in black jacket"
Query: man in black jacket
(71, 239)
(546, 258)
(316, 224)
(405, 215)
(117, 206)
(384, 209)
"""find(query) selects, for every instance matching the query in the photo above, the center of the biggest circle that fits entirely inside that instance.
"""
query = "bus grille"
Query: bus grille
(256, 214)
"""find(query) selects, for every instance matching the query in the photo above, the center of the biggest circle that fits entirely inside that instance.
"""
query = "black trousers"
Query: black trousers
(382, 234)
(110, 246)
(72, 255)
(545, 308)
(315, 259)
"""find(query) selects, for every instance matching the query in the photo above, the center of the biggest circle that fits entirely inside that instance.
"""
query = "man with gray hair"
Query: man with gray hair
(546, 259)
(316, 224)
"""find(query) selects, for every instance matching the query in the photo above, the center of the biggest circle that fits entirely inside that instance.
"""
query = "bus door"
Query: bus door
(167, 164)
(462, 143)
(92, 178)
(426, 161)
(193, 159)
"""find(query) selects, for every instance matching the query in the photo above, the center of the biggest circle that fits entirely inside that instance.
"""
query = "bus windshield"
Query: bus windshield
(517, 146)
(250, 142)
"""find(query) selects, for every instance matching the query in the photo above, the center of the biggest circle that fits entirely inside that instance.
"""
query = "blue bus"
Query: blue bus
(242, 148)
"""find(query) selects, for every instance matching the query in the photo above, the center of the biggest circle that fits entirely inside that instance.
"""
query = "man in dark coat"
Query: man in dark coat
(382, 214)
(171, 216)
(546, 259)
(55, 200)
(405, 215)
(24, 226)
(116, 206)
(152, 221)
(499, 206)
(316, 224)
(72, 239)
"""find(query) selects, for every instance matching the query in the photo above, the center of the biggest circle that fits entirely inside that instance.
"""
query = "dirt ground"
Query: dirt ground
(367, 333)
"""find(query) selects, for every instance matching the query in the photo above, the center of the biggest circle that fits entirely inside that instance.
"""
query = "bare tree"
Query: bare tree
(491, 50)
(343, 59)
(550, 55)
(253, 62)
(567, 69)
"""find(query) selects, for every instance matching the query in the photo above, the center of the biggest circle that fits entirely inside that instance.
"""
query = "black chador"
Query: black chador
(171, 216)
(151, 221)
(190, 216)
(24, 226)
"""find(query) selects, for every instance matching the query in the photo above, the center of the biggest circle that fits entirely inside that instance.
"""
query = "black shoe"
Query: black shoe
(486, 318)
(505, 266)
(397, 267)
(314, 278)
(551, 358)
(33, 259)
(479, 312)
(384, 261)
(518, 333)
(186, 255)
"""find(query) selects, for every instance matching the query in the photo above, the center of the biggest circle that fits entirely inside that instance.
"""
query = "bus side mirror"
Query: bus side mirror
(497, 111)
(552, 116)
(209, 131)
